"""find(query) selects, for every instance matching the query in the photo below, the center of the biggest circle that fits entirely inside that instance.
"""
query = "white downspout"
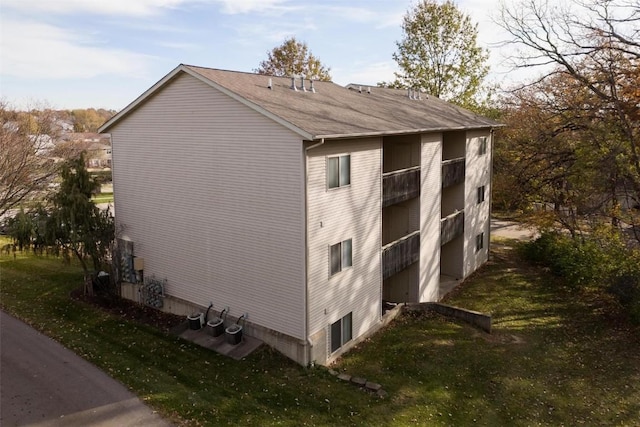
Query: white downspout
(491, 147)
(306, 252)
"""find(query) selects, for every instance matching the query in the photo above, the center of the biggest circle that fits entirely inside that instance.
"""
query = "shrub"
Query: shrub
(102, 177)
(578, 262)
(600, 260)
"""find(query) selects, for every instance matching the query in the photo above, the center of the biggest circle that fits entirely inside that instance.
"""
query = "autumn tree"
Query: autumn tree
(293, 58)
(71, 225)
(588, 101)
(89, 119)
(439, 53)
(25, 170)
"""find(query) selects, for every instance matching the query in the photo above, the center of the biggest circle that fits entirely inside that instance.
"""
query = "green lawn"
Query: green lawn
(554, 359)
(102, 198)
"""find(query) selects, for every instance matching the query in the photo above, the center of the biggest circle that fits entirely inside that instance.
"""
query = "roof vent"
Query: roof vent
(270, 84)
(369, 90)
(359, 89)
(302, 88)
(414, 94)
(312, 89)
(293, 83)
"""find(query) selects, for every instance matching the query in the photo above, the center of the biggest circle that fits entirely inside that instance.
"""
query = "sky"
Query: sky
(68, 54)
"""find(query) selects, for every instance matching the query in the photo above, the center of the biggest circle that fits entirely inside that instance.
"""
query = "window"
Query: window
(483, 146)
(481, 194)
(341, 332)
(340, 256)
(338, 171)
(479, 242)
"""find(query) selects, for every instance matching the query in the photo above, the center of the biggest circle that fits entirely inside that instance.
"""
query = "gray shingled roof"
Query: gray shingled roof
(333, 111)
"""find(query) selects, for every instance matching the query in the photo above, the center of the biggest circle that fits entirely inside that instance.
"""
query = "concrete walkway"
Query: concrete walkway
(511, 230)
(43, 384)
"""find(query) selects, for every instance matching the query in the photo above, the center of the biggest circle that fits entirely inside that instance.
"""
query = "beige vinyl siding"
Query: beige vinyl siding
(430, 195)
(212, 195)
(352, 212)
(476, 218)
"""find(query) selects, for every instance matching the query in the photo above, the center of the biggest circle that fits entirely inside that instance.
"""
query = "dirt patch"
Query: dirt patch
(130, 310)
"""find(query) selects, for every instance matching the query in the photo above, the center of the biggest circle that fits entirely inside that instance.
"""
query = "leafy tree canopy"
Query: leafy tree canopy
(293, 58)
(439, 54)
(573, 142)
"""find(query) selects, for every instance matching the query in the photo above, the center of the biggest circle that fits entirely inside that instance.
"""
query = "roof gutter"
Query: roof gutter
(315, 145)
(407, 132)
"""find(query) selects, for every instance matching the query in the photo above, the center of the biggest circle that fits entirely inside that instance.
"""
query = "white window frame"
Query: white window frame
(479, 242)
(346, 256)
(345, 326)
(341, 180)
(482, 149)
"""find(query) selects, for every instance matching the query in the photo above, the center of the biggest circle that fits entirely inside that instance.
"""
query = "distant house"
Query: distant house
(63, 126)
(307, 205)
(96, 146)
(42, 143)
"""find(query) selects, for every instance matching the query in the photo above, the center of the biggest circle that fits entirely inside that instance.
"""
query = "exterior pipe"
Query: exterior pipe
(491, 135)
(206, 316)
(306, 255)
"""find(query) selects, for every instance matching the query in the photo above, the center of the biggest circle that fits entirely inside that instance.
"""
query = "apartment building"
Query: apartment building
(306, 205)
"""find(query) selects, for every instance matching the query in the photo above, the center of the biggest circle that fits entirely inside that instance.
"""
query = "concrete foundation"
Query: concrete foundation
(293, 348)
(304, 353)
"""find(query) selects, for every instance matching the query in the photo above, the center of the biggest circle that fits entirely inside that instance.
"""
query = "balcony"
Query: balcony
(398, 255)
(452, 172)
(400, 185)
(451, 227)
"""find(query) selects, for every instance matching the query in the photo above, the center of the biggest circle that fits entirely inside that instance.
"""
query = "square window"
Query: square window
(479, 242)
(338, 171)
(340, 256)
(482, 150)
(341, 332)
(481, 191)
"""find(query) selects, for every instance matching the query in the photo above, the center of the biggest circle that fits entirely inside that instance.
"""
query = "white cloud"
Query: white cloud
(179, 45)
(379, 19)
(42, 51)
(234, 7)
(365, 73)
(100, 7)
(271, 32)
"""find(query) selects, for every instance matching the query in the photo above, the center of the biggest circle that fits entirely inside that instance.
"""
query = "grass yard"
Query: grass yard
(554, 358)
(103, 198)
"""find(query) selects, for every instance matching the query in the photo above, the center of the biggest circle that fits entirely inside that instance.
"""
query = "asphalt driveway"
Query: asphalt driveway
(44, 384)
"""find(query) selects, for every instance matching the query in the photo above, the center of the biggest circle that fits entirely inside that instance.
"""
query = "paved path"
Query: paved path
(511, 230)
(44, 384)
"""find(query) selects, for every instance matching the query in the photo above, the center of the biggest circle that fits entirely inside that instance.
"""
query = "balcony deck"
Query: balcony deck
(453, 171)
(400, 185)
(400, 254)
(451, 227)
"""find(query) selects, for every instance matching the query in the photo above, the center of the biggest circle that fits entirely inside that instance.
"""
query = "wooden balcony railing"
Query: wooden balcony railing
(398, 255)
(452, 171)
(451, 227)
(401, 185)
